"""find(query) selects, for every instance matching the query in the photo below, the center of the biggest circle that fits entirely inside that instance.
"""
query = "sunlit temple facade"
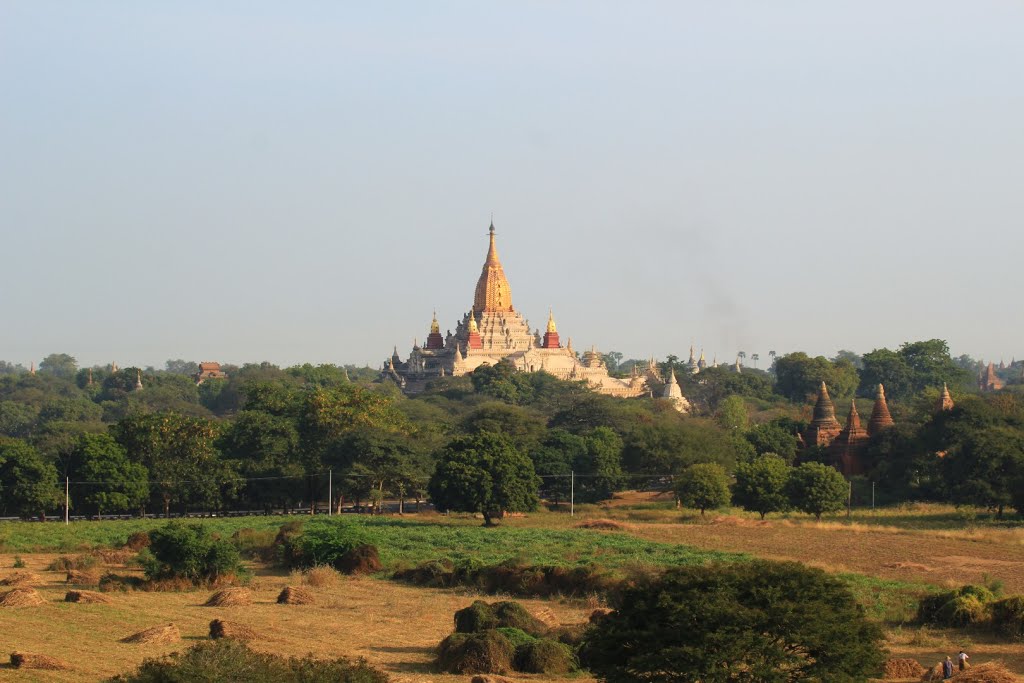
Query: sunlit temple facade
(493, 331)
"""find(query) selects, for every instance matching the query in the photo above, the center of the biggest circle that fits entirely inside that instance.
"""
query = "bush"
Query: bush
(572, 635)
(513, 577)
(137, 541)
(489, 652)
(363, 559)
(964, 606)
(191, 552)
(329, 544)
(1008, 617)
(481, 616)
(18, 562)
(757, 620)
(287, 549)
(545, 657)
(228, 660)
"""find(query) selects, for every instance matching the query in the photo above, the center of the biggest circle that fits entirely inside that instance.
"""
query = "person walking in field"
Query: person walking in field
(947, 669)
(962, 660)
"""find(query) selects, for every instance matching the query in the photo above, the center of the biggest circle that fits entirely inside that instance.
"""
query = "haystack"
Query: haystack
(90, 597)
(599, 614)
(83, 577)
(932, 674)
(168, 633)
(27, 660)
(296, 595)
(989, 672)
(230, 629)
(230, 597)
(480, 678)
(22, 579)
(21, 597)
(902, 668)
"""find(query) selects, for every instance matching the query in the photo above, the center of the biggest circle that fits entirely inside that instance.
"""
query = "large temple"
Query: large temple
(494, 331)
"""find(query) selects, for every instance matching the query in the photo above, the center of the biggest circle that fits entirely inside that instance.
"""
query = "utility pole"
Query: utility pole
(330, 492)
(67, 500)
(849, 501)
(572, 493)
(872, 496)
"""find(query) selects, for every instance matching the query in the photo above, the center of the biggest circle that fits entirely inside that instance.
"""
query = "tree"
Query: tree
(888, 368)
(773, 437)
(177, 366)
(761, 485)
(771, 622)
(852, 356)
(612, 360)
(798, 376)
(703, 486)
(59, 365)
(732, 414)
(28, 485)
(554, 461)
(755, 357)
(815, 488)
(484, 473)
(105, 478)
(986, 468)
(600, 465)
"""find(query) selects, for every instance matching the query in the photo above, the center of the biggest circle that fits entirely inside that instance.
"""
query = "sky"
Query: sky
(308, 181)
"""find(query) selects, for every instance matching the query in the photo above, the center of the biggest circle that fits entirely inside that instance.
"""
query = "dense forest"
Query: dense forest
(270, 438)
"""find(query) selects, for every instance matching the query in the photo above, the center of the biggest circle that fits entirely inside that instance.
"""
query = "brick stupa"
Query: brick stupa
(824, 427)
(880, 417)
(945, 400)
(848, 447)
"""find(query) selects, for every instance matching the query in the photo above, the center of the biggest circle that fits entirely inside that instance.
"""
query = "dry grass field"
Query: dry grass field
(396, 626)
(393, 626)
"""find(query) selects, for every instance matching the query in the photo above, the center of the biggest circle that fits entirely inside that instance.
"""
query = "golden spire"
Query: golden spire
(551, 322)
(472, 320)
(493, 292)
(434, 327)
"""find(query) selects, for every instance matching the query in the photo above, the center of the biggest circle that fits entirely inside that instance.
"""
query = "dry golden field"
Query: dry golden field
(396, 627)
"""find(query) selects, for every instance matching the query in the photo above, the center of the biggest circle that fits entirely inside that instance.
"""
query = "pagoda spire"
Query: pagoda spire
(434, 339)
(493, 292)
(945, 400)
(824, 427)
(32, 368)
(880, 417)
(550, 340)
(138, 379)
(473, 341)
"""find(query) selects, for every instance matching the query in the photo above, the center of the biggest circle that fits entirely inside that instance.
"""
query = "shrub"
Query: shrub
(191, 552)
(1008, 617)
(489, 652)
(545, 657)
(432, 573)
(137, 541)
(287, 548)
(229, 660)
(18, 562)
(572, 635)
(757, 620)
(961, 607)
(363, 559)
(329, 544)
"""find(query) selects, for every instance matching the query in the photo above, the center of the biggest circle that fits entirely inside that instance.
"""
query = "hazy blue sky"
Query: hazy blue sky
(307, 181)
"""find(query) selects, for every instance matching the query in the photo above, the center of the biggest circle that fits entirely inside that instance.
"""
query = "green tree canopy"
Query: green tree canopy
(106, 481)
(28, 485)
(761, 485)
(703, 486)
(815, 488)
(771, 622)
(798, 376)
(484, 473)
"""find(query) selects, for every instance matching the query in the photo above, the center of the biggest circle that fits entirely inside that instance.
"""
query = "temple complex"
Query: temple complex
(989, 381)
(824, 427)
(494, 331)
(209, 370)
(673, 393)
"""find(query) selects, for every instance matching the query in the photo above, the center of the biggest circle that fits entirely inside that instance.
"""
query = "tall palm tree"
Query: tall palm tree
(755, 357)
(742, 355)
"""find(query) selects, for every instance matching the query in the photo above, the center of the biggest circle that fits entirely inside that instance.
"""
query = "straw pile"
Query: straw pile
(903, 668)
(26, 660)
(599, 614)
(21, 597)
(989, 672)
(230, 629)
(296, 595)
(168, 633)
(230, 597)
(90, 597)
(83, 577)
(22, 579)
(480, 678)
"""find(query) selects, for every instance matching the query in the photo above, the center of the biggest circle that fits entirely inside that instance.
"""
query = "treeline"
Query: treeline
(265, 437)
